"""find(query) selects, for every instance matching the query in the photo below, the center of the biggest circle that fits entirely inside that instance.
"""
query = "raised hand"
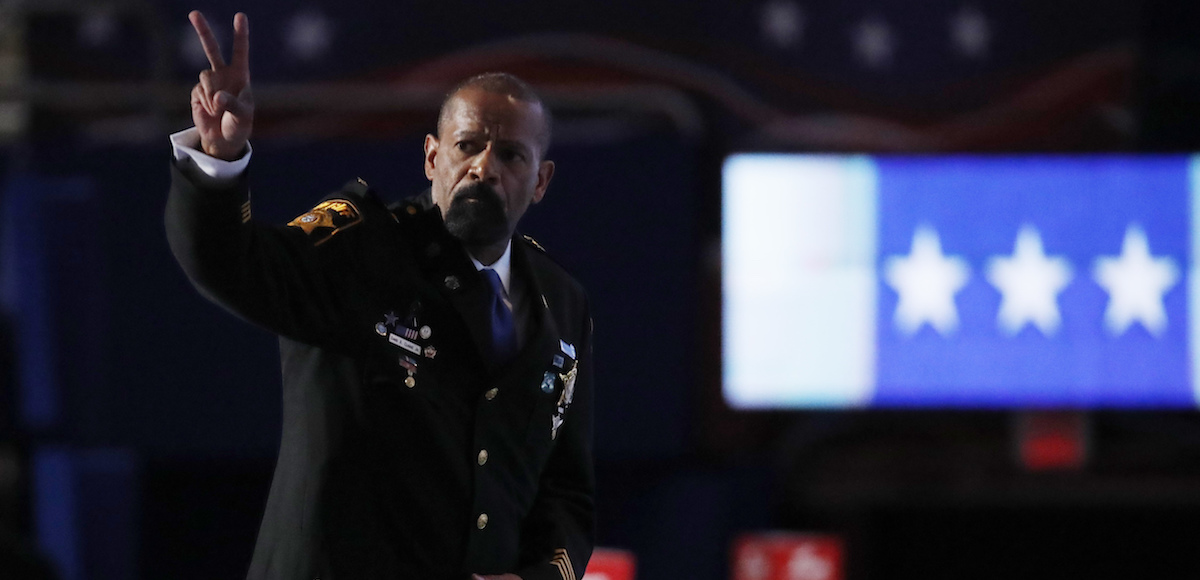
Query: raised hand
(222, 104)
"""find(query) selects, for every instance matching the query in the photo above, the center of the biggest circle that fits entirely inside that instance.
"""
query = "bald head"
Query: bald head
(499, 83)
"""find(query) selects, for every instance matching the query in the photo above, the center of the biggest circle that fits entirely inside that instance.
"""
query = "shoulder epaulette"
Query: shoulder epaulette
(533, 243)
(412, 206)
(359, 187)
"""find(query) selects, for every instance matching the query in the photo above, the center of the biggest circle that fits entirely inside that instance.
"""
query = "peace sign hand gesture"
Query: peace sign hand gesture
(222, 104)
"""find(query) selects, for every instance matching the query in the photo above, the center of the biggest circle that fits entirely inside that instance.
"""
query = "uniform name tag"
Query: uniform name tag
(404, 343)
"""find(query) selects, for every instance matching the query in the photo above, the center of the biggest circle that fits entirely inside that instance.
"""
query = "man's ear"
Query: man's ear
(545, 173)
(431, 149)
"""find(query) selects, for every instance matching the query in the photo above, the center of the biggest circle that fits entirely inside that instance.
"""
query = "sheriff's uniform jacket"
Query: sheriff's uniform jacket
(405, 454)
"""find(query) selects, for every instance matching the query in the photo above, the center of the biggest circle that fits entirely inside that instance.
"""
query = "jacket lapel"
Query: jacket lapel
(447, 267)
(542, 341)
(471, 300)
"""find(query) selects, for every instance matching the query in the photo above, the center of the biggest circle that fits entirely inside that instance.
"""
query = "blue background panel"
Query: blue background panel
(1081, 206)
(1080, 209)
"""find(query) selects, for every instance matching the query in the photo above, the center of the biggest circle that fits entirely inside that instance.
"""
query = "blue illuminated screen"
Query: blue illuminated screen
(958, 281)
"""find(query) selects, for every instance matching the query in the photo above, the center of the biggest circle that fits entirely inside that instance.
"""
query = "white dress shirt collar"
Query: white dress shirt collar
(502, 266)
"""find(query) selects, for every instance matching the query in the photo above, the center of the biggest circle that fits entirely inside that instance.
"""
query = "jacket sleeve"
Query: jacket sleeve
(558, 535)
(273, 276)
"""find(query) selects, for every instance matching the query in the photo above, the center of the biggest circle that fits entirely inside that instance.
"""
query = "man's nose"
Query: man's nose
(483, 167)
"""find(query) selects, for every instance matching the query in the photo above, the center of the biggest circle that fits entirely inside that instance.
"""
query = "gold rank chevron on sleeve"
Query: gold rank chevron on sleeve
(563, 562)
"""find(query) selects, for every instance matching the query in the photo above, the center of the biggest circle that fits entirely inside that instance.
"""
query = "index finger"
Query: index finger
(212, 49)
(241, 42)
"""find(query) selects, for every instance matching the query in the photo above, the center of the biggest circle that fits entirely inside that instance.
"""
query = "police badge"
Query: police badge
(568, 380)
(564, 400)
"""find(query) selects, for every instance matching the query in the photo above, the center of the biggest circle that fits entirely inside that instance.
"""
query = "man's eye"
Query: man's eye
(467, 146)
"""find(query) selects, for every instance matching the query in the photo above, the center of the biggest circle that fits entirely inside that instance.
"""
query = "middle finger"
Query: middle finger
(207, 91)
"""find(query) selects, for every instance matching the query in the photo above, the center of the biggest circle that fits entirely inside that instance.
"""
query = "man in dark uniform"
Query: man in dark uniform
(437, 416)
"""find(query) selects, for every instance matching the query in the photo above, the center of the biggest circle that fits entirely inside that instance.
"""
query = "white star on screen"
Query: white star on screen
(1029, 283)
(874, 42)
(1135, 282)
(970, 33)
(782, 22)
(926, 281)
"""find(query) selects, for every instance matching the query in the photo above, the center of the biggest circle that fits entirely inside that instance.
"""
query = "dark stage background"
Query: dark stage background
(140, 423)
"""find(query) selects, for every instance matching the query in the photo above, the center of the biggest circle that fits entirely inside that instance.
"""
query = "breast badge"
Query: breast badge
(568, 393)
(564, 399)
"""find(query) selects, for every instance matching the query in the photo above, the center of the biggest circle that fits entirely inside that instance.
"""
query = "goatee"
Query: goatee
(476, 215)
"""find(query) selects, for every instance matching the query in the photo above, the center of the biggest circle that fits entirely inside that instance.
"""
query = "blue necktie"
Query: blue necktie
(504, 331)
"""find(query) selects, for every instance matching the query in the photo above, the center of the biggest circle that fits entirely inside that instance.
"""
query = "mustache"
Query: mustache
(478, 191)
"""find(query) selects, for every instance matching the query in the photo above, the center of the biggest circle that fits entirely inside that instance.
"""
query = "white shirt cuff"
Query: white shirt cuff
(186, 144)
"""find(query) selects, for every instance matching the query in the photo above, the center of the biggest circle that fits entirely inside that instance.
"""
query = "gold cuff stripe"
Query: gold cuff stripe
(246, 212)
(563, 561)
(562, 571)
